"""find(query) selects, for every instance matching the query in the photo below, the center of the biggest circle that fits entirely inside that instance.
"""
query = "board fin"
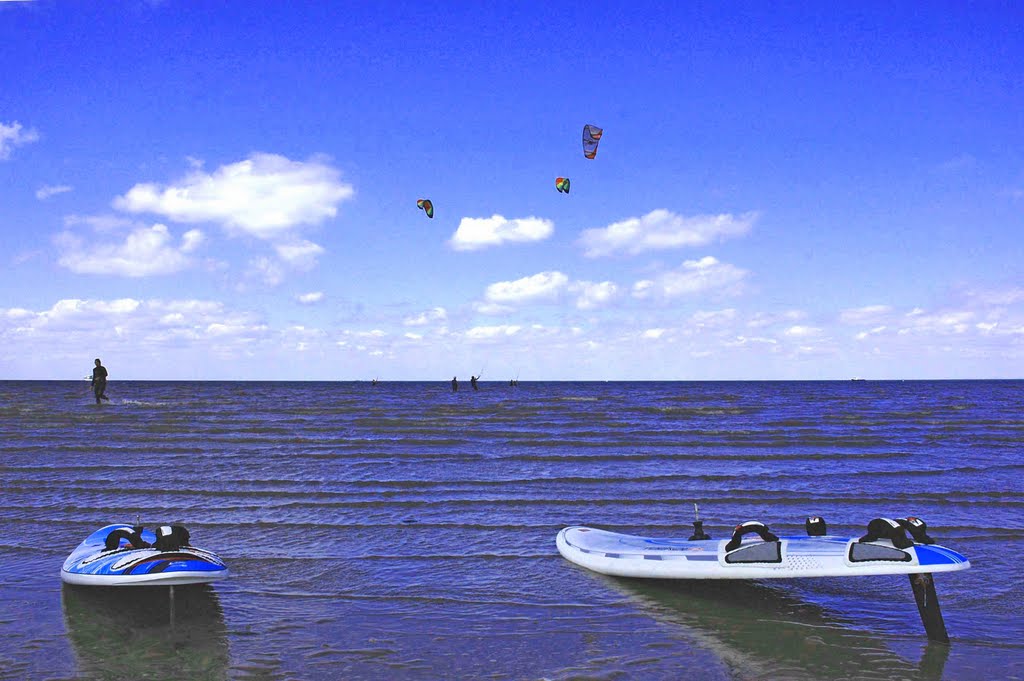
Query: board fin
(928, 605)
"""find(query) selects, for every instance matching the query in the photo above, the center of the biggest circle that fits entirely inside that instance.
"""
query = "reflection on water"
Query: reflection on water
(142, 633)
(761, 631)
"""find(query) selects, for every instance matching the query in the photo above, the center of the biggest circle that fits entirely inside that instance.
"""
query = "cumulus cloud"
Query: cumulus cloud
(713, 318)
(437, 314)
(694, 276)
(869, 314)
(492, 332)
(191, 240)
(46, 191)
(801, 331)
(266, 196)
(266, 270)
(539, 286)
(870, 332)
(745, 341)
(310, 298)
(593, 294)
(12, 135)
(997, 297)
(494, 309)
(147, 322)
(763, 319)
(299, 254)
(477, 233)
(662, 229)
(144, 252)
(938, 323)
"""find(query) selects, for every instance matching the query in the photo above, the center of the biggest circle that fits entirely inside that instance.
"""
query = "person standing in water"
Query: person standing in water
(455, 384)
(99, 382)
(472, 381)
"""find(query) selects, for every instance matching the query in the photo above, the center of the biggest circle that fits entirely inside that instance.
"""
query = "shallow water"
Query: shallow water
(403, 531)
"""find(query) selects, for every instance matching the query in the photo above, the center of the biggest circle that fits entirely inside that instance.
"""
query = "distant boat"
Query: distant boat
(858, 379)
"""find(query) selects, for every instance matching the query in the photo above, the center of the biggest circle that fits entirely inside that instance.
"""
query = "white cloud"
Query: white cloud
(265, 196)
(743, 341)
(593, 294)
(870, 314)
(437, 314)
(763, 319)
(267, 270)
(17, 313)
(800, 331)
(310, 298)
(694, 276)
(476, 233)
(150, 322)
(46, 191)
(145, 251)
(493, 309)
(942, 323)
(713, 318)
(12, 135)
(871, 332)
(300, 254)
(538, 286)
(492, 332)
(662, 229)
(1008, 296)
(191, 240)
(653, 334)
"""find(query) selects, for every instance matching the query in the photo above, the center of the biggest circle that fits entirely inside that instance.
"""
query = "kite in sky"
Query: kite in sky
(562, 184)
(427, 207)
(591, 138)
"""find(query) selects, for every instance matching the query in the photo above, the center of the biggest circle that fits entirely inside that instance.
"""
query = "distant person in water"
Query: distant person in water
(99, 382)
(455, 384)
(472, 381)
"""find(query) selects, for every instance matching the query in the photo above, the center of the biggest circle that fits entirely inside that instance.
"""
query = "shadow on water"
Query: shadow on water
(137, 633)
(761, 632)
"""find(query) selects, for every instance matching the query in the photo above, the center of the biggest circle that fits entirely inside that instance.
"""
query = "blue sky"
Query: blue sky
(783, 191)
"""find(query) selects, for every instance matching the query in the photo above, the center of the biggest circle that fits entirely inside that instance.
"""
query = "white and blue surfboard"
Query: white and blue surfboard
(625, 555)
(121, 555)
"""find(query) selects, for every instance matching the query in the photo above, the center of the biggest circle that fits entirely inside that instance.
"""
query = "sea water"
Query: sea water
(403, 531)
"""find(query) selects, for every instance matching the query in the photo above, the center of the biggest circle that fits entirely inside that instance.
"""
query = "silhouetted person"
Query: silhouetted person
(99, 382)
(472, 381)
(455, 384)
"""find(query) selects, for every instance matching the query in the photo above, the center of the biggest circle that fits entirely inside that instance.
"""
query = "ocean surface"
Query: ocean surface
(402, 531)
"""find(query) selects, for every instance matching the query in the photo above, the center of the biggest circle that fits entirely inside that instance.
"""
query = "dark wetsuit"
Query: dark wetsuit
(99, 383)
(472, 381)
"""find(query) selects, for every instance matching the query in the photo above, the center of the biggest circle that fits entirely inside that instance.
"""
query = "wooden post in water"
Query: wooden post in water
(928, 605)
